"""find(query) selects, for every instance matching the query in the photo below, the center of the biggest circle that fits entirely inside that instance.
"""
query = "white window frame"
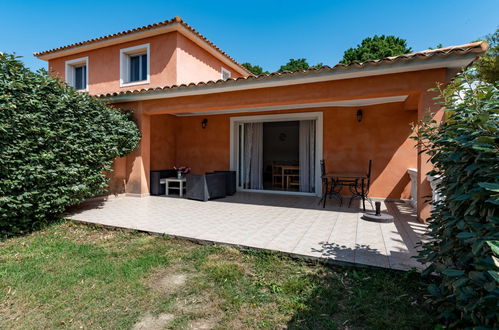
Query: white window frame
(125, 54)
(224, 70)
(70, 71)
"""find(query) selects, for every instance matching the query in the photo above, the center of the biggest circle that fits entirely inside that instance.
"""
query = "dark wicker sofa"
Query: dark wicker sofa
(203, 187)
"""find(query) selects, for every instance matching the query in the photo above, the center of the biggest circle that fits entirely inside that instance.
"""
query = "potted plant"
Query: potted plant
(181, 171)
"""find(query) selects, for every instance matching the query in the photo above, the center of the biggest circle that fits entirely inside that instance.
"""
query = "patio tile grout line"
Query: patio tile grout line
(267, 223)
(331, 233)
(384, 244)
(306, 231)
(286, 227)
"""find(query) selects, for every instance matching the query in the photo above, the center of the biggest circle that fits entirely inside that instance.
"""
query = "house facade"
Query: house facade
(197, 107)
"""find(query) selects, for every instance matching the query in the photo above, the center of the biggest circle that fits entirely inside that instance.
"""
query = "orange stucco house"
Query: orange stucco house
(197, 107)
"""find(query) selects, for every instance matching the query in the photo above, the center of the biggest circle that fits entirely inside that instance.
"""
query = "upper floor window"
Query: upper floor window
(77, 73)
(225, 74)
(134, 65)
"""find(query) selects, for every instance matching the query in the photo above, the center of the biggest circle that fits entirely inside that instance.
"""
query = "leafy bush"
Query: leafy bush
(55, 145)
(464, 152)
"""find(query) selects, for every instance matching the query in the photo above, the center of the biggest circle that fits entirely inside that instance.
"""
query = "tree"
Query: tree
(298, 64)
(376, 48)
(56, 146)
(488, 65)
(437, 46)
(254, 69)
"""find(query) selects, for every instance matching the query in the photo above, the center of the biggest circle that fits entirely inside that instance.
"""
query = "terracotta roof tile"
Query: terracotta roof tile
(174, 20)
(478, 47)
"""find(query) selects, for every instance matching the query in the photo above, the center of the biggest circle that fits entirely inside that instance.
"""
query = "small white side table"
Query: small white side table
(180, 187)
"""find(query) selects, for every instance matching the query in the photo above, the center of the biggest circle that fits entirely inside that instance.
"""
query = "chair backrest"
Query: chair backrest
(323, 168)
(369, 173)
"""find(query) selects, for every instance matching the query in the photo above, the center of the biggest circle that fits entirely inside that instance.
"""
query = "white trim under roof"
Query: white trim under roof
(344, 103)
(145, 34)
(456, 61)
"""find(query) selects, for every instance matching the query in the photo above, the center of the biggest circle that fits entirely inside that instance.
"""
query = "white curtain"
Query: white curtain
(253, 156)
(307, 155)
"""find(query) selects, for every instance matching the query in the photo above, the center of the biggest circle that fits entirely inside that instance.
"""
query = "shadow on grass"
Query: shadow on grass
(347, 297)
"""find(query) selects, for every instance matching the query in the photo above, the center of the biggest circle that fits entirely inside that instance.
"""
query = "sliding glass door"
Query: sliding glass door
(277, 155)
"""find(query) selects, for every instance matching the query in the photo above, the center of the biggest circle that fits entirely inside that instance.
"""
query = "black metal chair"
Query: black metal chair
(325, 184)
(361, 189)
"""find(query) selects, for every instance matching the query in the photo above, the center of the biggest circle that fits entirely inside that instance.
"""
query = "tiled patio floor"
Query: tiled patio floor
(291, 224)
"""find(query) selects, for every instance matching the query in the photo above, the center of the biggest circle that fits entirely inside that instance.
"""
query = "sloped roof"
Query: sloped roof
(475, 48)
(175, 20)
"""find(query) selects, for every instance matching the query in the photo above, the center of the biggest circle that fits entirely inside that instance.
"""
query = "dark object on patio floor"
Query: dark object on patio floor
(203, 187)
(378, 216)
(157, 188)
(230, 182)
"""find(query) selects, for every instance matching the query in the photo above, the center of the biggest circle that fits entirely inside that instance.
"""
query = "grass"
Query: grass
(72, 276)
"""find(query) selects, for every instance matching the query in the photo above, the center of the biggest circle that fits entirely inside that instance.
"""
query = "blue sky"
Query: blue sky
(267, 33)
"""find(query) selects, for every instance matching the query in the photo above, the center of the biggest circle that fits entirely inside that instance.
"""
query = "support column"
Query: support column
(426, 107)
(138, 161)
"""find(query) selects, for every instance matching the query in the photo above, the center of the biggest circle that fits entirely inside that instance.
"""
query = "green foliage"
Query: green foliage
(437, 46)
(298, 64)
(55, 146)
(376, 48)
(254, 69)
(464, 152)
(488, 65)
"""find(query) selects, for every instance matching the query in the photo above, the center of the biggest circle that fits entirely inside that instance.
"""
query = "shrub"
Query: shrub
(55, 145)
(464, 152)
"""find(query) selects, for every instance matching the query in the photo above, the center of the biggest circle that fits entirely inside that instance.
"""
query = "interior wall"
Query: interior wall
(280, 142)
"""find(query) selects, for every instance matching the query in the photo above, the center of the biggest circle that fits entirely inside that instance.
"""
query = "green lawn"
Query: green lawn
(72, 276)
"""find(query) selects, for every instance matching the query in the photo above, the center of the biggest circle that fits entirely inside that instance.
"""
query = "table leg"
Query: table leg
(363, 196)
(167, 189)
(181, 186)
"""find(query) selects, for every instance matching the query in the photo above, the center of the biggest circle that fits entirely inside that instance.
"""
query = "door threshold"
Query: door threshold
(279, 192)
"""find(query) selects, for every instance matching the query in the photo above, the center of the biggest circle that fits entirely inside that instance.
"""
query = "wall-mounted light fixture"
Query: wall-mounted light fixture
(204, 123)
(359, 115)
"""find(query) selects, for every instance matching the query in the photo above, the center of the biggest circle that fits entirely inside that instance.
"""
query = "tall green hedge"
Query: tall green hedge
(55, 145)
(464, 150)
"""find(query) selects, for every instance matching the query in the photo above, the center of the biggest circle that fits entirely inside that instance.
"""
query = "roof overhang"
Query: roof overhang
(308, 105)
(312, 76)
(173, 27)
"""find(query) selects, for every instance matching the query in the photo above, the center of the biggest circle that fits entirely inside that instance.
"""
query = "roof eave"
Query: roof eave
(176, 25)
(328, 74)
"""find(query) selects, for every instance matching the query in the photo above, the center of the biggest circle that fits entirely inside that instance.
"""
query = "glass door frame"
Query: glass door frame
(236, 138)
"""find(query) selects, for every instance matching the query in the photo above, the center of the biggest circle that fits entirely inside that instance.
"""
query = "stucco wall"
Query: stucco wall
(383, 136)
(164, 132)
(104, 64)
(174, 60)
(195, 64)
